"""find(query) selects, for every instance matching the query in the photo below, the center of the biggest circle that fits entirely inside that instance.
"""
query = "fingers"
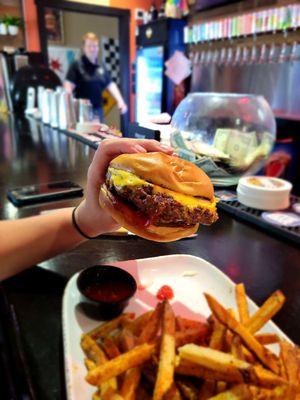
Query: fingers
(153, 145)
(110, 149)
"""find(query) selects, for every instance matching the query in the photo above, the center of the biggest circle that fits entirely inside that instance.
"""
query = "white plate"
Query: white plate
(189, 277)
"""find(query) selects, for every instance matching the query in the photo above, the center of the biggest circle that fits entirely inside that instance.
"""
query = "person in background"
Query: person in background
(28, 241)
(88, 78)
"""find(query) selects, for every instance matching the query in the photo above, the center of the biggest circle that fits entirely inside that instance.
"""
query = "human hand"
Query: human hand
(91, 218)
(123, 108)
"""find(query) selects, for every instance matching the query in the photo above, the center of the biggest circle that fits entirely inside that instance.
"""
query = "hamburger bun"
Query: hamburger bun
(169, 172)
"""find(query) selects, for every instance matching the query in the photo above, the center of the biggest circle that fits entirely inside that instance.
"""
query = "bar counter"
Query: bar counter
(31, 153)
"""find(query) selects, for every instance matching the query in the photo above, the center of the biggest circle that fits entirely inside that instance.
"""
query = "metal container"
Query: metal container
(46, 106)
(66, 116)
(85, 110)
(54, 111)
(40, 95)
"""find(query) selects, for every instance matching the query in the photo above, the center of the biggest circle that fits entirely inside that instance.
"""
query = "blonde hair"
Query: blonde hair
(90, 36)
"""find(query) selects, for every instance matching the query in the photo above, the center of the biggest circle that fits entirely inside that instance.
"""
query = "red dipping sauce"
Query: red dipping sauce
(165, 293)
(108, 291)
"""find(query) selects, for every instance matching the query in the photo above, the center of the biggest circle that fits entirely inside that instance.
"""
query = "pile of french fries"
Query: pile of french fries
(162, 356)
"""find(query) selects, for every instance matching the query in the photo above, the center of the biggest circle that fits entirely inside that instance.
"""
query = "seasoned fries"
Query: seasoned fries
(112, 368)
(166, 365)
(163, 356)
(241, 301)
(267, 311)
(262, 353)
(231, 368)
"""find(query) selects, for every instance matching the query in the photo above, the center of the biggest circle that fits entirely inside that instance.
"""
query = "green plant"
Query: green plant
(11, 20)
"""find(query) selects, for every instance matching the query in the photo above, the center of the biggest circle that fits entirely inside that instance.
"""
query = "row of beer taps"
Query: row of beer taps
(246, 54)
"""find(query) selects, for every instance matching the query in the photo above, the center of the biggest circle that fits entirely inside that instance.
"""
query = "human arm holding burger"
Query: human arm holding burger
(28, 241)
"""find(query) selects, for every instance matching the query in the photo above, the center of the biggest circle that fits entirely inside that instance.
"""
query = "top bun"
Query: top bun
(170, 172)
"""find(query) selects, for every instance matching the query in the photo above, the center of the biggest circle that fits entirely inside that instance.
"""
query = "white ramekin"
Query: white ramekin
(264, 193)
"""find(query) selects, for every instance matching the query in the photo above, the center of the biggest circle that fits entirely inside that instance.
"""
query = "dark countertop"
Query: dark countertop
(30, 154)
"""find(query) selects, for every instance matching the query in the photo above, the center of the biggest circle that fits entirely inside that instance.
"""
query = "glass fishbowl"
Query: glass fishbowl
(227, 135)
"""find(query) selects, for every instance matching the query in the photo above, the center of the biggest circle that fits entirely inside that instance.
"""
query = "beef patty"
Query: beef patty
(162, 209)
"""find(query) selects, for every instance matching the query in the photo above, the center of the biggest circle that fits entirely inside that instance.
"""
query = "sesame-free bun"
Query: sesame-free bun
(129, 219)
(169, 172)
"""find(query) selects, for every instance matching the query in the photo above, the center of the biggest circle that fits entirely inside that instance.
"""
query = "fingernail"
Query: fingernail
(167, 148)
(140, 149)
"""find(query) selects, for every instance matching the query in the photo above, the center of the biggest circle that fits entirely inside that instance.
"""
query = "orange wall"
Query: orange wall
(31, 26)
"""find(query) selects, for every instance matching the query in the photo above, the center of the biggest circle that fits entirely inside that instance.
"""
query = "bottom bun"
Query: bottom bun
(138, 224)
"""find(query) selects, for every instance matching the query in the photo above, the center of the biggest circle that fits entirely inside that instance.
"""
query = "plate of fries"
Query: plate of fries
(209, 342)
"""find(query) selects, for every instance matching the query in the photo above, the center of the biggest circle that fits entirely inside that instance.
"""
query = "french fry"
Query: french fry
(110, 394)
(120, 364)
(267, 338)
(237, 348)
(105, 329)
(242, 304)
(217, 339)
(127, 340)
(148, 333)
(186, 323)
(262, 353)
(132, 376)
(188, 391)
(189, 368)
(89, 364)
(165, 374)
(190, 336)
(151, 328)
(270, 307)
(97, 356)
(136, 326)
(92, 350)
(217, 342)
(247, 392)
(130, 383)
(110, 348)
(96, 395)
(229, 368)
(288, 355)
(173, 394)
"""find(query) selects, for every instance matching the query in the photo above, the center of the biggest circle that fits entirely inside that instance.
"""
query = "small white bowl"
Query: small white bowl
(264, 193)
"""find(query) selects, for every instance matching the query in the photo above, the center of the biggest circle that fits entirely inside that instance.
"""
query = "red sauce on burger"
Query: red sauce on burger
(135, 217)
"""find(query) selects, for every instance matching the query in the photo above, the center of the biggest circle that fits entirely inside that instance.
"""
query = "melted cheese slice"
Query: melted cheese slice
(122, 178)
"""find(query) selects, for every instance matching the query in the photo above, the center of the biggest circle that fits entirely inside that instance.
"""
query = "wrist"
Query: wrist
(86, 222)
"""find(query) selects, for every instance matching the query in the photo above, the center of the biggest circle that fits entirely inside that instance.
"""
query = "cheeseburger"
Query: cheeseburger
(157, 196)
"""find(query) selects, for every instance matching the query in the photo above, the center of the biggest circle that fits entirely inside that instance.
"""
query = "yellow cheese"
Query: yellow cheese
(125, 178)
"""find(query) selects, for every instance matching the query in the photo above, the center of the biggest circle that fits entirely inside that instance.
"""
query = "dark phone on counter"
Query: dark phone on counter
(44, 192)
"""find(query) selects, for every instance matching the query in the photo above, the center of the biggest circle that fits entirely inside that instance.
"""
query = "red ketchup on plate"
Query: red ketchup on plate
(165, 293)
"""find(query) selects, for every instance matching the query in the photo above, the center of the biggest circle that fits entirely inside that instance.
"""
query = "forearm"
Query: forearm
(28, 241)
(115, 92)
